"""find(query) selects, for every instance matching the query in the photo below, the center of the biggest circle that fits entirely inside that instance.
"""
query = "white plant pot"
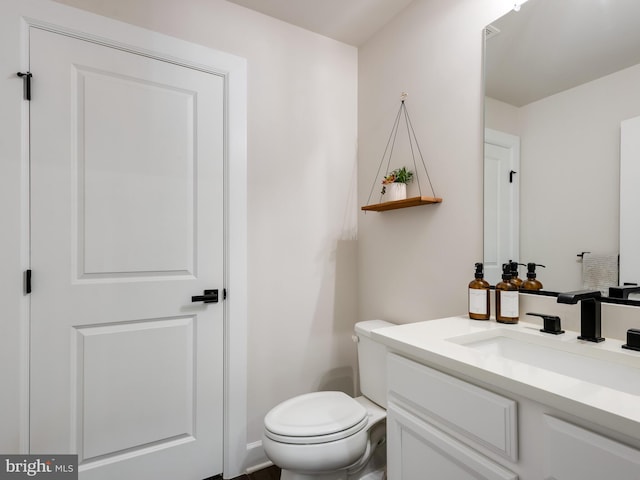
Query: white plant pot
(395, 191)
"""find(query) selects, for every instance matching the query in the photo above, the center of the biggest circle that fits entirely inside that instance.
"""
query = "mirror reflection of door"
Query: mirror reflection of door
(501, 202)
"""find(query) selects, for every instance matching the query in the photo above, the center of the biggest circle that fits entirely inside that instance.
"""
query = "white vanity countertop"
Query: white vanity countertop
(429, 343)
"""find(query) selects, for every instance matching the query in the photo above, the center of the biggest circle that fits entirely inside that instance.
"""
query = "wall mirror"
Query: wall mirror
(560, 78)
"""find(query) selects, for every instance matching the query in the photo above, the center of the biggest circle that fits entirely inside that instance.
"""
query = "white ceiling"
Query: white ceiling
(349, 21)
(546, 47)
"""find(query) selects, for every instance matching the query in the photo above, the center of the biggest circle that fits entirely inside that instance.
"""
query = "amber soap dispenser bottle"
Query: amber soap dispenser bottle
(532, 283)
(479, 299)
(507, 300)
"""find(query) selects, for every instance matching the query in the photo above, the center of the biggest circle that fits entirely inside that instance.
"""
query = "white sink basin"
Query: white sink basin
(596, 364)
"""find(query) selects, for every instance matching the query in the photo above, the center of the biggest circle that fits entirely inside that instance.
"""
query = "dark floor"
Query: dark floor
(271, 473)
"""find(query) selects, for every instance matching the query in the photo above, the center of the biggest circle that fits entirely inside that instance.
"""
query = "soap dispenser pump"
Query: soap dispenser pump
(479, 300)
(515, 279)
(532, 283)
(507, 300)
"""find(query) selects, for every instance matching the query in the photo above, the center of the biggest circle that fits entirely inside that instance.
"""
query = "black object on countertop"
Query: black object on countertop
(590, 312)
(633, 339)
(551, 323)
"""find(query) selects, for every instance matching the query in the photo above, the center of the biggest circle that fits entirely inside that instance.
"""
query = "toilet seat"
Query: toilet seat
(315, 418)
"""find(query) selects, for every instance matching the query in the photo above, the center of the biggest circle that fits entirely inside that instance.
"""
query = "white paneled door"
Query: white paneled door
(501, 202)
(126, 226)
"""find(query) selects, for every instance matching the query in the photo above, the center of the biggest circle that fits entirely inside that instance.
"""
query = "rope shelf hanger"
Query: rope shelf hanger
(414, 147)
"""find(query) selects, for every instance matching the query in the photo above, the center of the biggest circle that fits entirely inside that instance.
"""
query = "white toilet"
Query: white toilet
(330, 435)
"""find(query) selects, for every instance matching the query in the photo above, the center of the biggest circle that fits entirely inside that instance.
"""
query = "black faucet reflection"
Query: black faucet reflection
(623, 291)
(590, 312)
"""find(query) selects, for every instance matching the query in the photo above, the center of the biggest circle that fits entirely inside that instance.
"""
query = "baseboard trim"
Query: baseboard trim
(257, 468)
(256, 459)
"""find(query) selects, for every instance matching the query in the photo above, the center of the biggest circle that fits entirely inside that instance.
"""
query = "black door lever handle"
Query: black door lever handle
(210, 296)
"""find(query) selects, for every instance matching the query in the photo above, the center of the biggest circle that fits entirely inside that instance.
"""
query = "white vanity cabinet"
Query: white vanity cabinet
(436, 424)
(572, 452)
(458, 410)
(440, 427)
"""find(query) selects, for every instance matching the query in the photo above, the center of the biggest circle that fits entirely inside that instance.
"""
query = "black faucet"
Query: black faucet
(623, 291)
(590, 312)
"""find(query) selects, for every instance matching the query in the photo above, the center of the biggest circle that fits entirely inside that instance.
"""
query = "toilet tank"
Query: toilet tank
(372, 361)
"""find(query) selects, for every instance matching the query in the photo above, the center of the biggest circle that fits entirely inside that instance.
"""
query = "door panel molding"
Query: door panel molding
(162, 410)
(169, 179)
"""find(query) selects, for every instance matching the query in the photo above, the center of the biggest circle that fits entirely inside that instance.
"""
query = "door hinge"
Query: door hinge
(27, 281)
(224, 293)
(26, 78)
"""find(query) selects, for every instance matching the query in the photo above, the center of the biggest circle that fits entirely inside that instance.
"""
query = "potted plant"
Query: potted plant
(394, 185)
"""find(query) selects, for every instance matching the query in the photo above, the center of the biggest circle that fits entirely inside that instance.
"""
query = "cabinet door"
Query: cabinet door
(572, 452)
(482, 417)
(417, 448)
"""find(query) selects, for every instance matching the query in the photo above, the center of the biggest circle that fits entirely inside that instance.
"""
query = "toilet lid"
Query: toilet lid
(319, 414)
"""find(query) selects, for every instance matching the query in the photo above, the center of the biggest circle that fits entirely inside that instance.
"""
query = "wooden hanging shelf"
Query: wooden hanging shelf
(403, 174)
(407, 202)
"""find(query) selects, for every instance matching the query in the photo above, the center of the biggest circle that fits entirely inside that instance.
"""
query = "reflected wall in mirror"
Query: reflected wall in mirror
(561, 76)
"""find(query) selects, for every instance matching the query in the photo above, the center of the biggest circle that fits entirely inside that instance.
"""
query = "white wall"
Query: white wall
(302, 97)
(13, 253)
(501, 116)
(570, 171)
(414, 264)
